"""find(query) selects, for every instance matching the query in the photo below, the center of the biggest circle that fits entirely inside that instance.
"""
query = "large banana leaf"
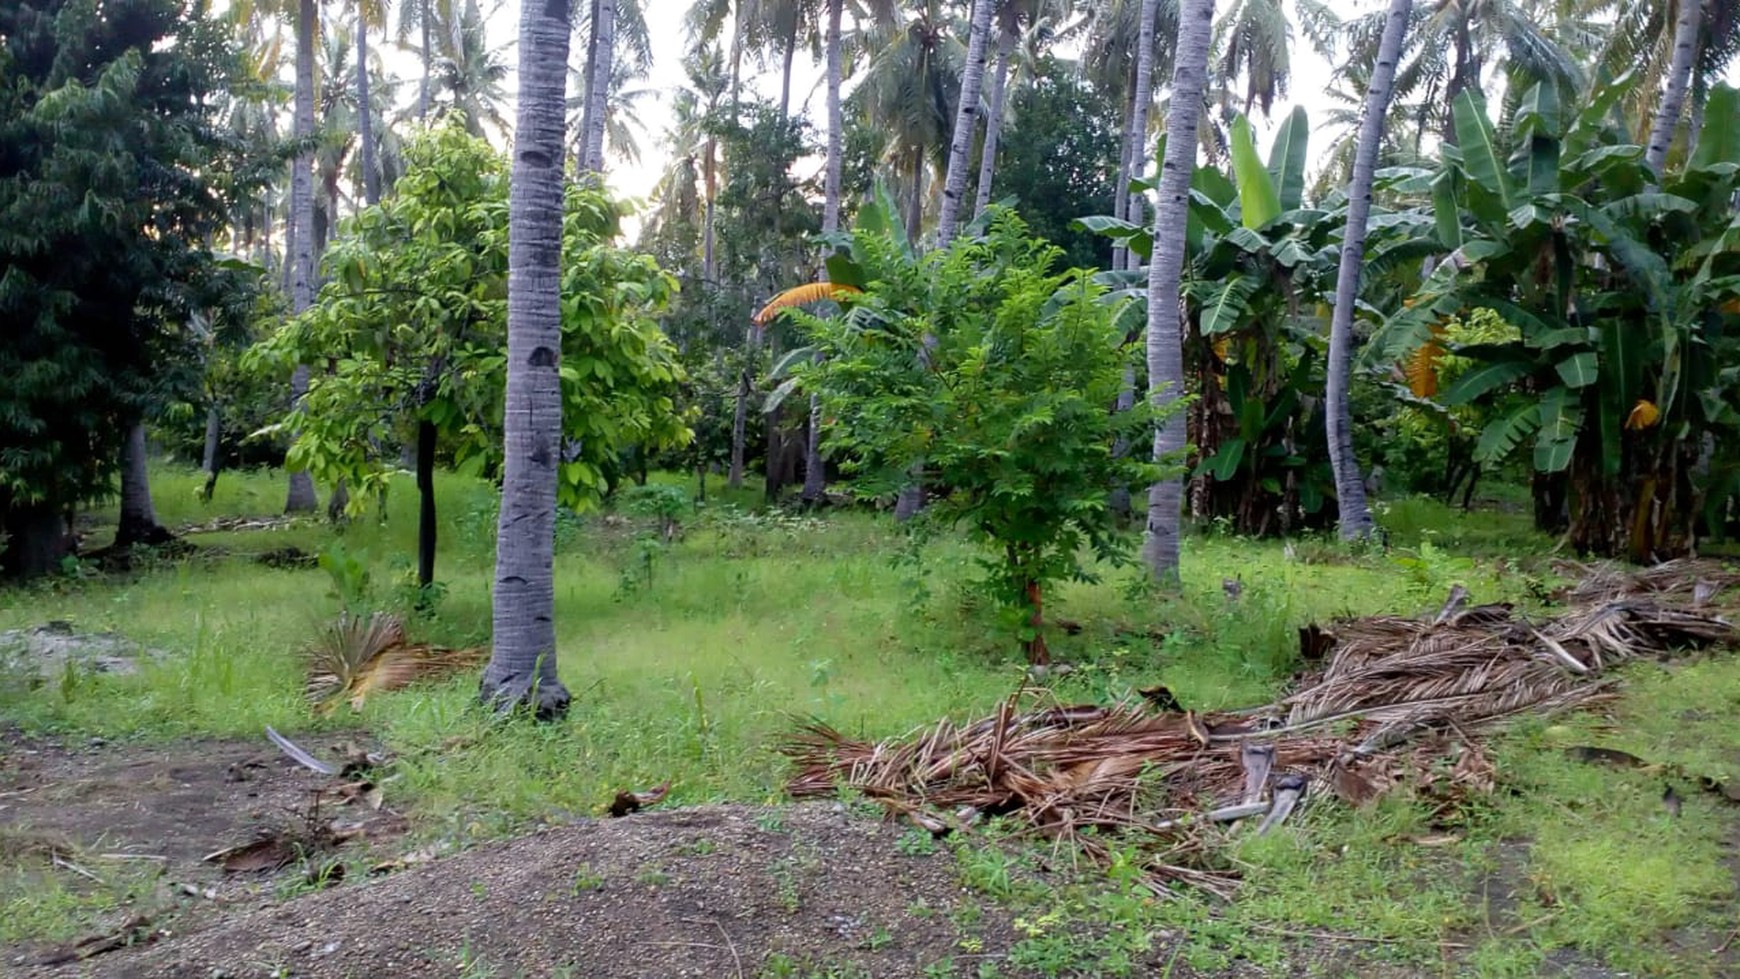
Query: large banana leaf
(1719, 140)
(1226, 310)
(1561, 420)
(1287, 159)
(1446, 210)
(1485, 379)
(1503, 435)
(1481, 158)
(1259, 202)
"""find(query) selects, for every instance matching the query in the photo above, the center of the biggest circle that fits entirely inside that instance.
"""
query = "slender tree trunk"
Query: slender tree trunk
(994, 122)
(522, 667)
(1120, 192)
(426, 526)
(966, 117)
(138, 522)
(365, 125)
(1673, 99)
(915, 204)
(214, 427)
(428, 63)
(790, 44)
(598, 87)
(1165, 348)
(740, 418)
(300, 498)
(815, 473)
(1137, 137)
(1355, 514)
(586, 87)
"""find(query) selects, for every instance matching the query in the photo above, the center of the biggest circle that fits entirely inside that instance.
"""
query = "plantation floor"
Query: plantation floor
(689, 661)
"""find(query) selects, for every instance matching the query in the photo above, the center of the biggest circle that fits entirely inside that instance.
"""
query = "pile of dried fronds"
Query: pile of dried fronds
(1393, 698)
(355, 656)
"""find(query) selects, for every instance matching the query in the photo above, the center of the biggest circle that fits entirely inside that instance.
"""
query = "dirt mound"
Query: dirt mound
(713, 891)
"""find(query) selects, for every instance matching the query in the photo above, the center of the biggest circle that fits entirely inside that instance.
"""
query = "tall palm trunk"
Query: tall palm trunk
(1120, 189)
(522, 666)
(598, 67)
(815, 476)
(1165, 347)
(915, 203)
(1355, 514)
(710, 175)
(365, 125)
(300, 498)
(994, 122)
(789, 44)
(1137, 137)
(428, 62)
(740, 417)
(1673, 99)
(138, 522)
(966, 117)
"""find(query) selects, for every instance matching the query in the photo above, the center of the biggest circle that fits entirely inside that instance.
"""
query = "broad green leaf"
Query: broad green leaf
(1445, 210)
(1719, 140)
(777, 396)
(1503, 435)
(1224, 464)
(1259, 203)
(1561, 420)
(1547, 339)
(1287, 159)
(843, 270)
(1578, 370)
(1484, 380)
(1480, 154)
(1226, 310)
(1538, 112)
(1648, 206)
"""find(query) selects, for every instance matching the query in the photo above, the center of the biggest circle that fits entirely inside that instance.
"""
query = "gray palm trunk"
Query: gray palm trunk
(1355, 513)
(994, 121)
(790, 51)
(1137, 138)
(602, 52)
(1679, 79)
(301, 498)
(365, 125)
(214, 426)
(522, 665)
(1165, 346)
(1120, 189)
(138, 520)
(740, 418)
(428, 62)
(815, 476)
(966, 117)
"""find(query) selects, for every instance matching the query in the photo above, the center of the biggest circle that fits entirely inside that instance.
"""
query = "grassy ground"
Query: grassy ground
(687, 661)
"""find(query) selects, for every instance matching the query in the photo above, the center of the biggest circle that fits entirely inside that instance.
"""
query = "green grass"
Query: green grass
(688, 663)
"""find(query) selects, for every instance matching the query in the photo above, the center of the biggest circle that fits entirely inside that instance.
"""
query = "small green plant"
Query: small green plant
(349, 571)
(585, 879)
(916, 843)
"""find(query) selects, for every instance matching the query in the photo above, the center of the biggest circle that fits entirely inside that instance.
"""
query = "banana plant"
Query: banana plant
(1617, 284)
(1261, 268)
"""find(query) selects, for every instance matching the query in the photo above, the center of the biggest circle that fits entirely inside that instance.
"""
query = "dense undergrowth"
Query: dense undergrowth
(687, 661)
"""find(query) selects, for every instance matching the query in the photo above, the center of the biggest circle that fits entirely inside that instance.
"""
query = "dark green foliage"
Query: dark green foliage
(111, 184)
(1058, 159)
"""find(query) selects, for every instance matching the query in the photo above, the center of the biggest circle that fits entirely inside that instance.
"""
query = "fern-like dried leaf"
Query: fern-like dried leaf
(799, 295)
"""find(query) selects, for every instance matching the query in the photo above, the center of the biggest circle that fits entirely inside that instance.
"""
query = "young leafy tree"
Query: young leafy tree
(111, 173)
(1007, 407)
(415, 315)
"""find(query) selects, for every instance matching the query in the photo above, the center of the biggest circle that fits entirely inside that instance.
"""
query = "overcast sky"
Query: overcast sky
(665, 19)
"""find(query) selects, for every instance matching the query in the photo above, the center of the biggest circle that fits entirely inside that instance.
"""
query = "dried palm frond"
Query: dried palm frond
(356, 656)
(799, 295)
(1375, 716)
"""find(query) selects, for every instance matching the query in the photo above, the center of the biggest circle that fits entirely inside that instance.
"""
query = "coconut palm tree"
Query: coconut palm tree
(906, 91)
(1110, 63)
(522, 665)
(600, 56)
(1165, 351)
(468, 73)
(815, 477)
(1642, 37)
(1355, 515)
(300, 235)
(1687, 25)
(1019, 25)
(966, 118)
